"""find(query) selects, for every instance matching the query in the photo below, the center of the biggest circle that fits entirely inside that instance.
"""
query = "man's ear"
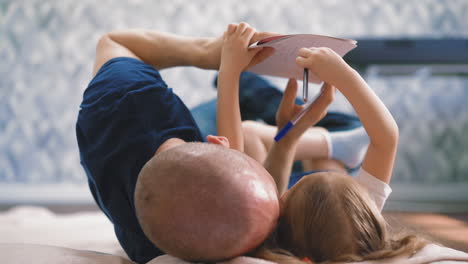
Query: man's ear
(218, 140)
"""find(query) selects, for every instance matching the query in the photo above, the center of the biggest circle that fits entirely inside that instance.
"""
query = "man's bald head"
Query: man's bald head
(205, 202)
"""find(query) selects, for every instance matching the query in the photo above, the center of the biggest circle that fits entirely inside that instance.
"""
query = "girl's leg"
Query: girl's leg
(258, 138)
(348, 147)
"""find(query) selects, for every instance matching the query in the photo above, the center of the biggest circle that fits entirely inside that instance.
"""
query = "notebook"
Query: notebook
(283, 62)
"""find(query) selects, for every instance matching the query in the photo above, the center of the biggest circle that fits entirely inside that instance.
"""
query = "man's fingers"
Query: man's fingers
(290, 93)
(325, 99)
(261, 56)
(262, 35)
(254, 51)
(297, 109)
(287, 102)
(319, 108)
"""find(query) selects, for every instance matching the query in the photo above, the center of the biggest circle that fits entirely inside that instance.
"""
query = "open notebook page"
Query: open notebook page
(283, 62)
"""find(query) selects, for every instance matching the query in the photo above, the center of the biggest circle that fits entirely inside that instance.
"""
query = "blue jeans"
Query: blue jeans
(205, 117)
(259, 100)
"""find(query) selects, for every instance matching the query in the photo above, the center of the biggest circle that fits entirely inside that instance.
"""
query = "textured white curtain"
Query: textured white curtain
(47, 49)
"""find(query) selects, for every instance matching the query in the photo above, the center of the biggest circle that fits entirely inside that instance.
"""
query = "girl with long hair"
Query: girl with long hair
(326, 216)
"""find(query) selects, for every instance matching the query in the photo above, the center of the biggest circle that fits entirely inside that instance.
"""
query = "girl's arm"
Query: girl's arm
(235, 57)
(375, 117)
(280, 156)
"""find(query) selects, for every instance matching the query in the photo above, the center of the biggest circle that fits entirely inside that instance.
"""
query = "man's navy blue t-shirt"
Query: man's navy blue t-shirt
(126, 114)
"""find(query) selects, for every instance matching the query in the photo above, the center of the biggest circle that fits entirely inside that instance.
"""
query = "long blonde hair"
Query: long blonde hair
(329, 217)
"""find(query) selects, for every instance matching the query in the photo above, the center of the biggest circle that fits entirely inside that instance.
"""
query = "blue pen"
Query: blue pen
(298, 117)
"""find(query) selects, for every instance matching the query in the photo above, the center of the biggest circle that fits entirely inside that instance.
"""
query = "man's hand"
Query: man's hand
(265, 52)
(288, 109)
(235, 54)
(280, 157)
(211, 50)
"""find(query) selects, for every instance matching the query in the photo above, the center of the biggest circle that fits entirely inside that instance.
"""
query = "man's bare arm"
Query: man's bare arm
(163, 50)
(159, 49)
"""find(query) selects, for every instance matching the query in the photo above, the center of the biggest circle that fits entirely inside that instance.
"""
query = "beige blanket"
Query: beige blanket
(36, 235)
(39, 254)
(38, 225)
(430, 254)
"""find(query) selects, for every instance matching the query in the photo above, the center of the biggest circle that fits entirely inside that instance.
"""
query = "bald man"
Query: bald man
(163, 187)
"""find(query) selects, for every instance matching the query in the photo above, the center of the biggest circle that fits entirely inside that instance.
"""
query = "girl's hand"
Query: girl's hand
(288, 109)
(325, 64)
(235, 54)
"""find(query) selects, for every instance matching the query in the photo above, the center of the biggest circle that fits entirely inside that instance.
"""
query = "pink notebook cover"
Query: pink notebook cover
(283, 62)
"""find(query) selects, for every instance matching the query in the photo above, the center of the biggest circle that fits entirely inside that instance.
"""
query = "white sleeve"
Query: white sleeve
(378, 190)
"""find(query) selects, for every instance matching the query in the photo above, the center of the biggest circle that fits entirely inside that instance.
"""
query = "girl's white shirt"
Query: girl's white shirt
(378, 190)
